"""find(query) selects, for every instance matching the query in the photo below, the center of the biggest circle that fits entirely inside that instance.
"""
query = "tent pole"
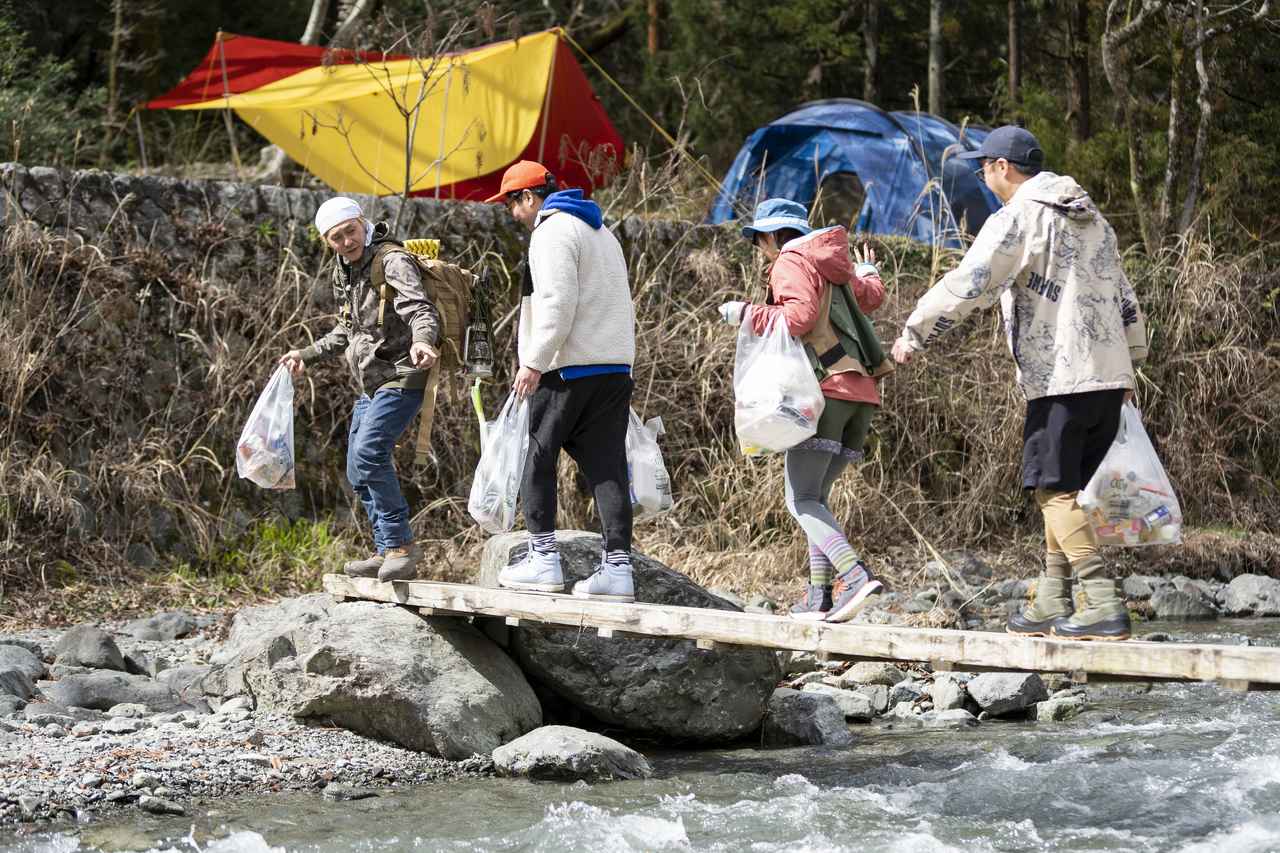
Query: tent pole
(226, 93)
(142, 143)
(546, 102)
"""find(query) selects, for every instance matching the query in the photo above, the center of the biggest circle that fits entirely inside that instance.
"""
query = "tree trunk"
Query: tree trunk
(871, 48)
(1078, 100)
(1015, 51)
(1117, 62)
(653, 27)
(315, 23)
(937, 59)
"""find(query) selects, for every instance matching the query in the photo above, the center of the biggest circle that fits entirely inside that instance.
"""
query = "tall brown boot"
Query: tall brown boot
(1052, 601)
(1104, 616)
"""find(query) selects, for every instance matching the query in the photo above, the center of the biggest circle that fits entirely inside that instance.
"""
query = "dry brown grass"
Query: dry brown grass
(127, 373)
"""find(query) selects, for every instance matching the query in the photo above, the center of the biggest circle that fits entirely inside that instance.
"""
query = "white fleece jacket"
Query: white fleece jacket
(580, 312)
(1049, 258)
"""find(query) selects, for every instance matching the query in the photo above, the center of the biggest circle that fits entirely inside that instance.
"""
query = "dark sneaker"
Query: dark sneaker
(1052, 604)
(851, 592)
(1104, 616)
(814, 606)
(367, 568)
(400, 564)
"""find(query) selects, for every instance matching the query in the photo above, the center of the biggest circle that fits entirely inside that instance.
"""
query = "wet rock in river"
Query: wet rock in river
(1000, 693)
(1187, 603)
(798, 718)
(563, 753)
(854, 705)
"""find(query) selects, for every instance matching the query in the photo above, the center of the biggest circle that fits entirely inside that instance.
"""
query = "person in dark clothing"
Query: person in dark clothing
(576, 347)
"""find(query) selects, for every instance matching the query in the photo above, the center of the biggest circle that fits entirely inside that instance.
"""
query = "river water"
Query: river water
(1187, 768)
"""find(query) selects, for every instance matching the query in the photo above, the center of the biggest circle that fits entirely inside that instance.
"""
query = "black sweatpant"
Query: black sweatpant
(586, 417)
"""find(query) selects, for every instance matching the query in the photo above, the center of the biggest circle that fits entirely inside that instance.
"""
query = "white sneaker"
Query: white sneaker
(537, 572)
(608, 583)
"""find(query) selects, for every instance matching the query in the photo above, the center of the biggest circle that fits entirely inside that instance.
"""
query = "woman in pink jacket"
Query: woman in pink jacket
(823, 299)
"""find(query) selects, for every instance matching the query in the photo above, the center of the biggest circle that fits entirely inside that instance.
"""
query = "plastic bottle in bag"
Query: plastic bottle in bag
(264, 453)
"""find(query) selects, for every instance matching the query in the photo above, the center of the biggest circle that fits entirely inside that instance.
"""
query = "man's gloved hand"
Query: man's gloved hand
(734, 313)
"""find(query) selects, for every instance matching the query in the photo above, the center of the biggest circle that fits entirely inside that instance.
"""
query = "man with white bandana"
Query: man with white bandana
(388, 336)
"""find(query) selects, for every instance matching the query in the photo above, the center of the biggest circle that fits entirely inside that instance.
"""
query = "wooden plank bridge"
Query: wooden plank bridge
(1238, 668)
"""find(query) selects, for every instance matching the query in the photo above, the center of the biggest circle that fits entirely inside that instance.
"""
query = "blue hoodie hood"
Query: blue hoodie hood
(571, 201)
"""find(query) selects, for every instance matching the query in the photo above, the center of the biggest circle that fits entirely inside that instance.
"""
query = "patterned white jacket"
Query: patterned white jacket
(1050, 259)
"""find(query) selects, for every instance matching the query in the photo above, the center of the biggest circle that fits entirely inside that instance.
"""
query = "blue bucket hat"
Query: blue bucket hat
(774, 214)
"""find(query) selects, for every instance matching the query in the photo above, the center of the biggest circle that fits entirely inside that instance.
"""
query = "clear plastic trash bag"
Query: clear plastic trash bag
(496, 487)
(777, 400)
(650, 485)
(264, 453)
(1130, 500)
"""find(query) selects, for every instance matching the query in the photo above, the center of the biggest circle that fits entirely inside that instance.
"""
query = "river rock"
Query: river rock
(563, 753)
(1141, 587)
(16, 657)
(1253, 595)
(127, 709)
(872, 672)
(951, 718)
(799, 718)
(15, 682)
(1057, 709)
(89, 646)
(170, 625)
(188, 681)
(103, 690)
(432, 684)
(158, 805)
(905, 691)
(10, 704)
(854, 706)
(1186, 603)
(947, 692)
(1000, 693)
(666, 688)
(33, 647)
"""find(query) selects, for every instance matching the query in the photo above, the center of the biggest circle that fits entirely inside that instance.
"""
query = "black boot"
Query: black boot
(1104, 616)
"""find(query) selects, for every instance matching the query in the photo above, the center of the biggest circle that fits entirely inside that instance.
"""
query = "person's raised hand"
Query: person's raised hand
(292, 361)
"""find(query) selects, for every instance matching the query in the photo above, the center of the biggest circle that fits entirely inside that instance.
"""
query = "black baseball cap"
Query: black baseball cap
(1013, 143)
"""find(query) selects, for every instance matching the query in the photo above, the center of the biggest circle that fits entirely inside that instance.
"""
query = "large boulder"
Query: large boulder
(103, 690)
(1000, 693)
(16, 657)
(1188, 603)
(433, 684)
(666, 688)
(15, 682)
(1253, 595)
(88, 646)
(563, 753)
(799, 718)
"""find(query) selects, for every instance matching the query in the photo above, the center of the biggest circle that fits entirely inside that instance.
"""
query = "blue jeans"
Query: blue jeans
(376, 425)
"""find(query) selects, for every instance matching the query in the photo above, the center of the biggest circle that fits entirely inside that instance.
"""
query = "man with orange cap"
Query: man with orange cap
(576, 347)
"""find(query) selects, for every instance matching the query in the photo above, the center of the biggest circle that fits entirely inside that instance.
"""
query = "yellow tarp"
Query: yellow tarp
(343, 125)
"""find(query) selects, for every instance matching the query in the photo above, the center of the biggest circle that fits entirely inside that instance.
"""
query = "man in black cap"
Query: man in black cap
(1076, 332)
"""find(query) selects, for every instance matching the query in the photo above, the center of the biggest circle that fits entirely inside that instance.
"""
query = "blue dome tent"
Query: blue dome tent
(911, 186)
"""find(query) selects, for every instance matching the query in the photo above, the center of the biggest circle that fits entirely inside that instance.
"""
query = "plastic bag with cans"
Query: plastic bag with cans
(1130, 500)
(264, 453)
